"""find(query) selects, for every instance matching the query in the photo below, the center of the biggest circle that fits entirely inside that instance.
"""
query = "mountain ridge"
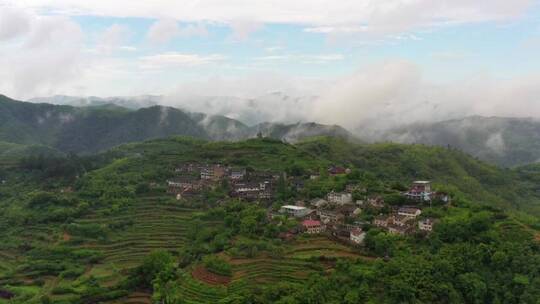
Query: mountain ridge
(506, 141)
(95, 128)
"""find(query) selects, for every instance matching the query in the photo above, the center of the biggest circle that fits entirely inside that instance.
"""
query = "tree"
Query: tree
(248, 225)
(166, 287)
(153, 264)
(473, 288)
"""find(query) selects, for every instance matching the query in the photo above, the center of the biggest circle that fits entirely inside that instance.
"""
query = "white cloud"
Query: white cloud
(395, 92)
(272, 49)
(450, 55)
(193, 30)
(55, 30)
(242, 29)
(376, 97)
(164, 30)
(173, 60)
(375, 16)
(336, 29)
(43, 57)
(251, 98)
(114, 36)
(13, 23)
(302, 58)
(322, 58)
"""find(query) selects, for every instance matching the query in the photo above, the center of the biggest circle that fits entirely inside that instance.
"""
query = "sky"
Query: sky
(367, 60)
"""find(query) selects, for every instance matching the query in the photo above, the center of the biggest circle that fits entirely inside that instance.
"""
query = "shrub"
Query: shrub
(217, 265)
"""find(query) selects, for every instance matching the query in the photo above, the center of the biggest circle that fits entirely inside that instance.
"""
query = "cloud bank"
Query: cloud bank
(326, 16)
(388, 94)
(43, 52)
(37, 53)
(376, 97)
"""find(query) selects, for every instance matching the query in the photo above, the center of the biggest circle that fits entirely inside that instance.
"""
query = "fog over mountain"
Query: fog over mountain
(378, 96)
(95, 128)
(500, 140)
(387, 101)
(130, 102)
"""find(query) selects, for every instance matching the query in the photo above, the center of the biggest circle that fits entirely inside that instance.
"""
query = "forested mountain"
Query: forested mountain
(297, 132)
(92, 129)
(503, 141)
(130, 102)
(499, 140)
(104, 229)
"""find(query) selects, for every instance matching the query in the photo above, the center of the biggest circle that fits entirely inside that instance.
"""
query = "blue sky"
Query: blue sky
(504, 49)
(395, 50)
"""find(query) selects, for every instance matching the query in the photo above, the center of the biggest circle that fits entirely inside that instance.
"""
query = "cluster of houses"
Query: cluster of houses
(192, 178)
(328, 214)
(319, 220)
(337, 214)
(403, 221)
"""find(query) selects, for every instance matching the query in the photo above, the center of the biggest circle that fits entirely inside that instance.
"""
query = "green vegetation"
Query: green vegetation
(102, 229)
(506, 141)
(450, 170)
(32, 129)
(470, 258)
(217, 265)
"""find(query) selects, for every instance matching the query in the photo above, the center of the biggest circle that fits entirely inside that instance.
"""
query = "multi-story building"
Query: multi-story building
(313, 227)
(420, 191)
(340, 198)
(295, 211)
(357, 236)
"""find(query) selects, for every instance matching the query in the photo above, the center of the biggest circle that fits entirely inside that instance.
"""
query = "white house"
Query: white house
(411, 212)
(295, 211)
(340, 198)
(357, 236)
(237, 173)
(426, 224)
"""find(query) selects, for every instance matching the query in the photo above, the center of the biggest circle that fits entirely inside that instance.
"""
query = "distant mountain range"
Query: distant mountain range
(274, 106)
(503, 141)
(92, 124)
(130, 102)
(100, 126)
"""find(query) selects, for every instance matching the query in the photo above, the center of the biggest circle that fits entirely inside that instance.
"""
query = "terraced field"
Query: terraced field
(7, 263)
(297, 264)
(320, 246)
(159, 223)
(11, 259)
(154, 225)
(135, 298)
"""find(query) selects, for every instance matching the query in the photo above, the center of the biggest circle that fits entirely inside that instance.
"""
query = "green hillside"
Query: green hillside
(450, 168)
(500, 140)
(89, 129)
(102, 229)
(93, 129)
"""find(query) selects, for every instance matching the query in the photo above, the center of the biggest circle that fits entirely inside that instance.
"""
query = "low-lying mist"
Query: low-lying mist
(377, 97)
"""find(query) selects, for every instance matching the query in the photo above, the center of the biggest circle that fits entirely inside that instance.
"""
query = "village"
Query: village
(338, 214)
